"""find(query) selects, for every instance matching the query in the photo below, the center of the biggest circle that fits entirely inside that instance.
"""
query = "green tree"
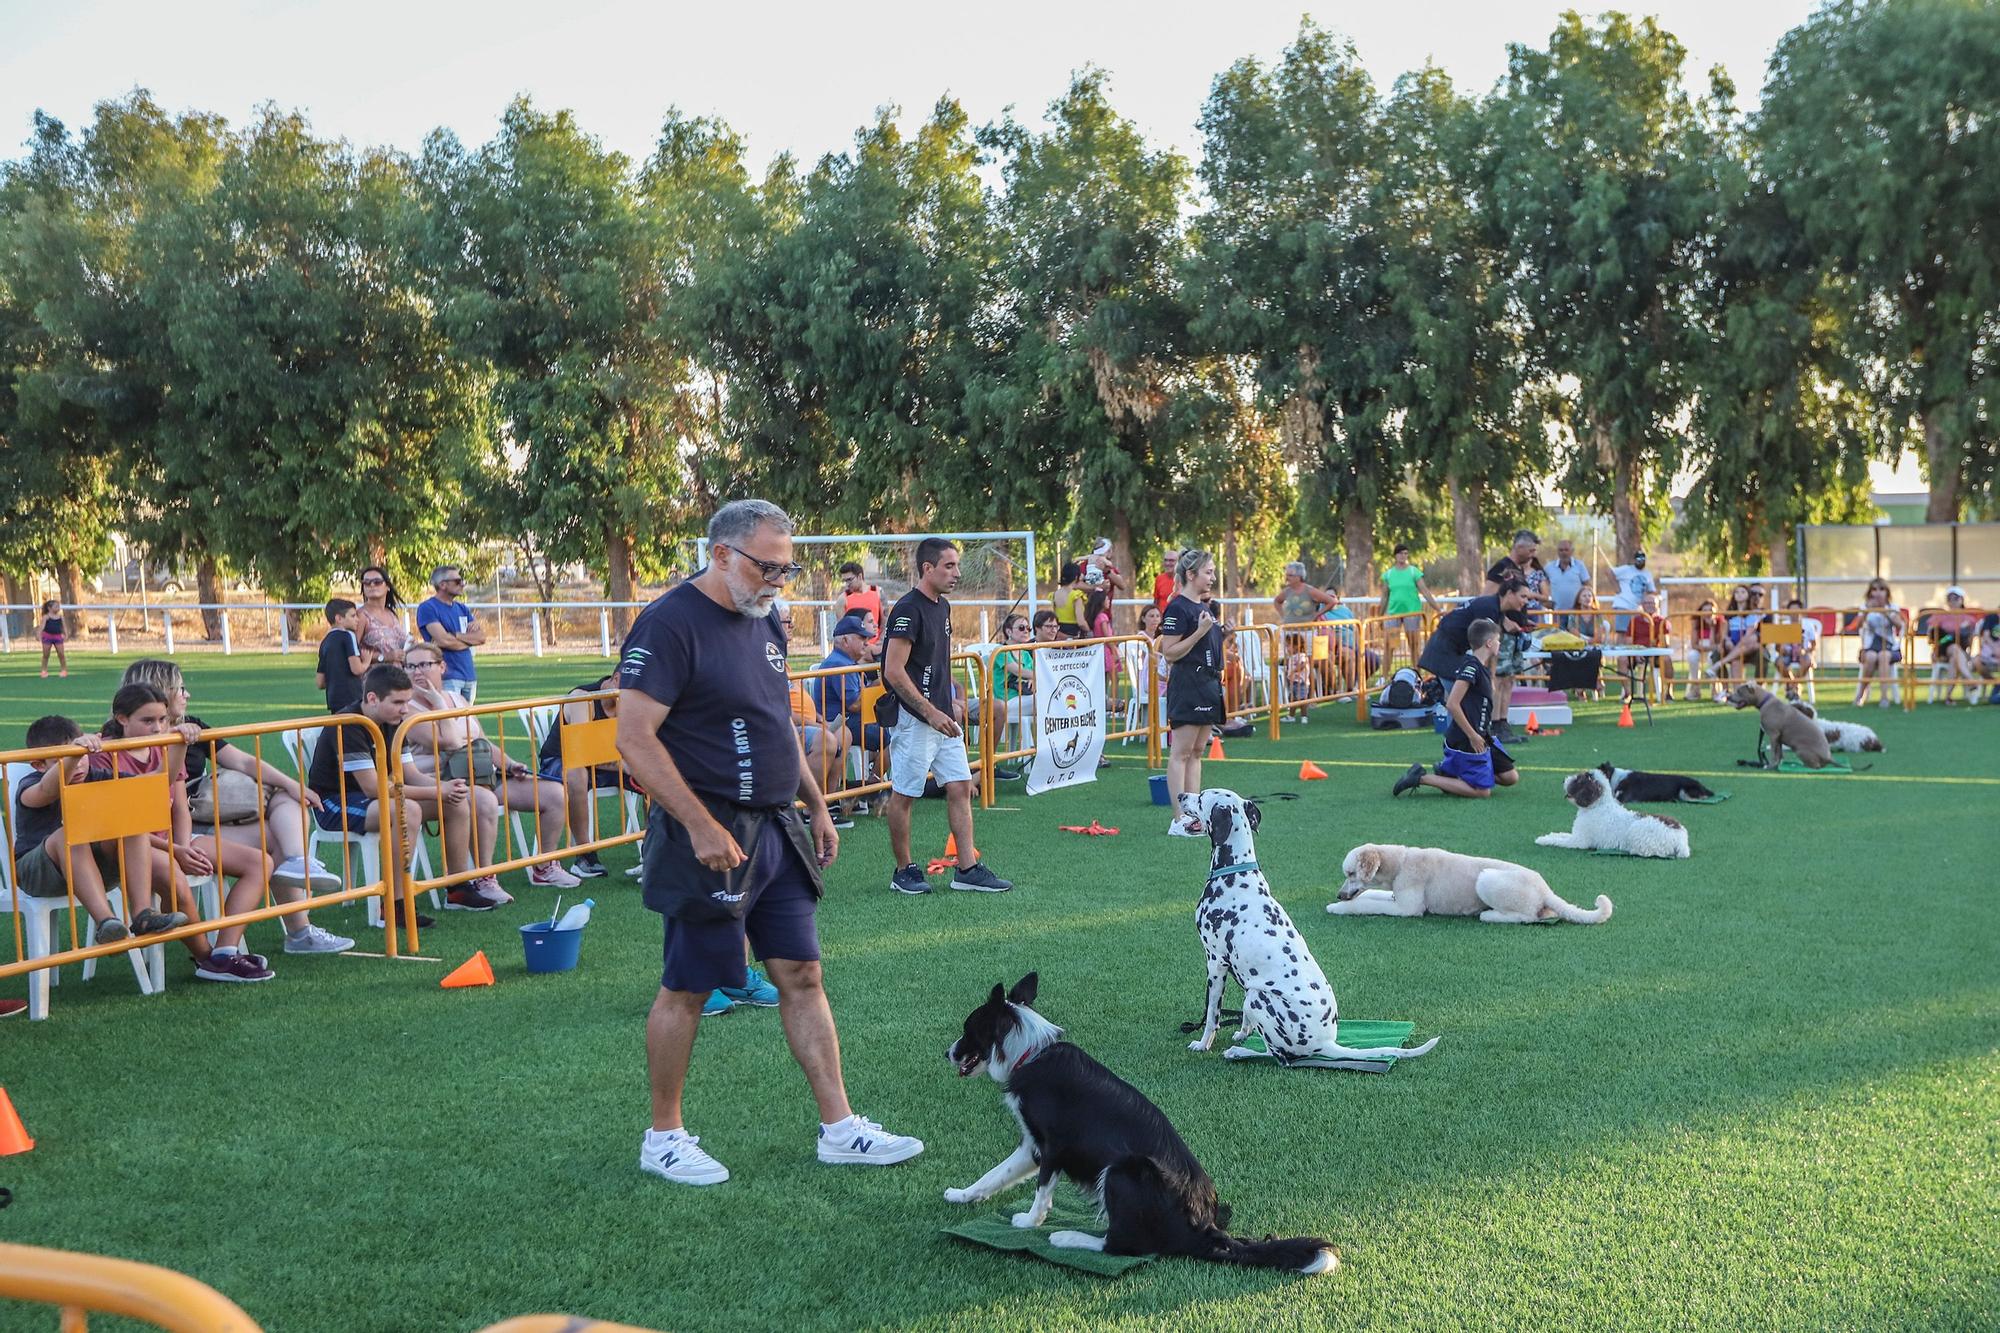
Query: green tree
(1292, 274)
(1603, 183)
(1081, 416)
(1879, 128)
(323, 407)
(546, 269)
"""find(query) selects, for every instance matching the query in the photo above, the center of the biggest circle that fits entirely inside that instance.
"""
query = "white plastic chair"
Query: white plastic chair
(368, 846)
(1256, 670)
(38, 922)
(545, 716)
(1137, 659)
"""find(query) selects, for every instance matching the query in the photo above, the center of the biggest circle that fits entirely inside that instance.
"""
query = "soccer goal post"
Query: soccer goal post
(996, 576)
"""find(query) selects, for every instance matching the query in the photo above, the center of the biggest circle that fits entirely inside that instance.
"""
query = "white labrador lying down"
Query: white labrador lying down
(1388, 879)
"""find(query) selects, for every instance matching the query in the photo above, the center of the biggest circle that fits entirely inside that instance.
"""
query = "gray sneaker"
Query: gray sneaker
(304, 872)
(910, 879)
(314, 940)
(980, 880)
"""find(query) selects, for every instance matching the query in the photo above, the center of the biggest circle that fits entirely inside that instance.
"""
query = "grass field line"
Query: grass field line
(1940, 781)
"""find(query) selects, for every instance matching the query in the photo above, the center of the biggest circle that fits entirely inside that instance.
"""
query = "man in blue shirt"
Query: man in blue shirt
(840, 696)
(442, 620)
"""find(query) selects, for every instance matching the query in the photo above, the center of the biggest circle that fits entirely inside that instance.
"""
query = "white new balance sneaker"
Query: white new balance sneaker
(859, 1141)
(314, 940)
(676, 1155)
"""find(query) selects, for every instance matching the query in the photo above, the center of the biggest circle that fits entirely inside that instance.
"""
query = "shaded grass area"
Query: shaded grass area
(1763, 1095)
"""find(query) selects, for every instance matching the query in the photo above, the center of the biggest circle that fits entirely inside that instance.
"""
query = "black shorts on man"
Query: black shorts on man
(1194, 683)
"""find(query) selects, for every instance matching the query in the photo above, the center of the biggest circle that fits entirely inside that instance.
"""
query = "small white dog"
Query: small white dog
(1601, 822)
(1387, 879)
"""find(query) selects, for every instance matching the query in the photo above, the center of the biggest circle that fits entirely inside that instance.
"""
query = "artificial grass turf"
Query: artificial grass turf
(1765, 1094)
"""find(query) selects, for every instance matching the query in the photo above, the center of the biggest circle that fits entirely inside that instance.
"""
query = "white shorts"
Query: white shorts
(916, 751)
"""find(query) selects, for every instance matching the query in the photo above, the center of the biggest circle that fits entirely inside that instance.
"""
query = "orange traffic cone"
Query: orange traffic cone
(1215, 747)
(1311, 772)
(474, 971)
(951, 849)
(1534, 723)
(1625, 714)
(13, 1134)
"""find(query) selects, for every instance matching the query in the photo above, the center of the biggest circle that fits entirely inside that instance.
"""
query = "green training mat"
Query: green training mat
(1716, 799)
(1792, 765)
(1356, 1033)
(996, 1231)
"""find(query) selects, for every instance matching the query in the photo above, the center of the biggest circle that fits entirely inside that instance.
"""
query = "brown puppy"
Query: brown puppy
(1785, 726)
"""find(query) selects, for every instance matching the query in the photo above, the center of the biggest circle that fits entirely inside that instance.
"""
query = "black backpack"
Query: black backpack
(1401, 691)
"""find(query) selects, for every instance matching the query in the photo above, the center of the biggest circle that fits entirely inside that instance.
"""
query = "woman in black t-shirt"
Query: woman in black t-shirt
(1191, 642)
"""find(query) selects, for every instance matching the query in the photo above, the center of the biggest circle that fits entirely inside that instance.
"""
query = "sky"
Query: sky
(788, 75)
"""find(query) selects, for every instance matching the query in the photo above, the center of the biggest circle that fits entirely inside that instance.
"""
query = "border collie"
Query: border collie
(1633, 787)
(1080, 1120)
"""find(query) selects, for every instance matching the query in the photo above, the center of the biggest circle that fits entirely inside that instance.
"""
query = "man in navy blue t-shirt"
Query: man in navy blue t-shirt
(705, 726)
(444, 621)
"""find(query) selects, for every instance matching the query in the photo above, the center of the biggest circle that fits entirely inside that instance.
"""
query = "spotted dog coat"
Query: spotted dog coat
(1247, 935)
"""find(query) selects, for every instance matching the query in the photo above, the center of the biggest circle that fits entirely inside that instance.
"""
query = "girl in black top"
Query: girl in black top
(1191, 642)
(53, 637)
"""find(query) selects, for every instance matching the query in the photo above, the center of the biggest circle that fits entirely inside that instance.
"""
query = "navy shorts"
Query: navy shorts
(781, 921)
(350, 818)
(1475, 770)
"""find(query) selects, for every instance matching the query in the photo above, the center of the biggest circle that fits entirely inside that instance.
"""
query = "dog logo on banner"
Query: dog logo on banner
(1069, 717)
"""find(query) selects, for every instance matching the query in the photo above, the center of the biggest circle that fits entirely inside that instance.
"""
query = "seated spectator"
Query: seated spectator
(838, 698)
(1881, 625)
(342, 659)
(42, 848)
(1988, 663)
(1742, 619)
(457, 747)
(243, 845)
(1705, 646)
(1795, 661)
(581, 785)
(342, 771)
(1014, 670)
(1149, 621)
(1586, 625)
(1953, 632)
(141, 710)
(1649, 629)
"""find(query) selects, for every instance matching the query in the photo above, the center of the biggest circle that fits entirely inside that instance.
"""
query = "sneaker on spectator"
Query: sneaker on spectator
(150, 922)
(467, 898)
(314, 940)
(588, 866)
(910, 879)
(978, 879)
(634, 871)
(859, 1141)
(232, 966)
(757, 990)
(9, 1008)
(305, 872)
(550, 875)
(842, 820)
(490, 886)
(716, 1003)
(676, 1155)
(110, 930)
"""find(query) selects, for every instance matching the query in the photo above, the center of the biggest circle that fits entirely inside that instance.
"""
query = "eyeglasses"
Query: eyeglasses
(441, 582)
(772, 570)
(373, 582)
(425, 665)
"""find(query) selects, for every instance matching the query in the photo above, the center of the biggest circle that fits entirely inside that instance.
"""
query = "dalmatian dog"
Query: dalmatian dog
(1601, 822)
(1247, 935)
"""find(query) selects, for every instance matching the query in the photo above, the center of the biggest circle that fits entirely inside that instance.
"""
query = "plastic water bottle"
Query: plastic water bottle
(578, 916)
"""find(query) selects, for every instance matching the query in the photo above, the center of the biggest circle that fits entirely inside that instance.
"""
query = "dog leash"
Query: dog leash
(1221, 1016)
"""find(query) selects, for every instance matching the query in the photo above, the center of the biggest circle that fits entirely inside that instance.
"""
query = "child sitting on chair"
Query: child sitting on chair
(1473, 763)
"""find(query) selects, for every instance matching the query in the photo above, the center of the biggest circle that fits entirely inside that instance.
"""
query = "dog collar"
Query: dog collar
(1023, 1058)
(1220, 871)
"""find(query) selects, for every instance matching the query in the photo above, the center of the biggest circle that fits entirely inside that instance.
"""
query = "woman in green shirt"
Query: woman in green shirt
(1403, 608)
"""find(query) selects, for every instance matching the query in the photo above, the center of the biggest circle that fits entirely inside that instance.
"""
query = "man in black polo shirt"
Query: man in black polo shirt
(705, 726)
(927, 740)
(1448, 643)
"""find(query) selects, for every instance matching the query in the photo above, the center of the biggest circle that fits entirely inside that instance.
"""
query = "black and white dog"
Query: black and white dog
(1080, 1120)
(1247, 934)
(1633, 787)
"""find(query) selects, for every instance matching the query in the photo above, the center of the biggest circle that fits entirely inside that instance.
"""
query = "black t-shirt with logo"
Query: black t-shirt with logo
(343, 687)
(925, 623)
(722, 677)
(1194, 683)
(1477, 705)
(342, 747)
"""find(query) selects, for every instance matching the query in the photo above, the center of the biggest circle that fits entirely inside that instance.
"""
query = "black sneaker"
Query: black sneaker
(910, 879)
(980, 880)
(1411, 779)
(465, 898)
(588, 866)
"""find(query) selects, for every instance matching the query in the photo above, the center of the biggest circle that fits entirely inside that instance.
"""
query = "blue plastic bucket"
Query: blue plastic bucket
(1443, 722)
(1158, 782)
(549, 949)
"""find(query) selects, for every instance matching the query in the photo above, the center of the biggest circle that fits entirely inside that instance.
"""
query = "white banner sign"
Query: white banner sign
(1069, 717)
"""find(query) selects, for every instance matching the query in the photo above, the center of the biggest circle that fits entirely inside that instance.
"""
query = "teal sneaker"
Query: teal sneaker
(718, 1002)
(756, 990)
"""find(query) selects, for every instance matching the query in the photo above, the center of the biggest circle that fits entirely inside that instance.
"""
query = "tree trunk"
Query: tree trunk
(618, 577)
(1624, 510)
(1941, 470)
(1781, 552)
(69, 587)
(1466, 494)
(1121, 556)
(1358, 545)
(1231, 582)
(208, 588)
(20, 592)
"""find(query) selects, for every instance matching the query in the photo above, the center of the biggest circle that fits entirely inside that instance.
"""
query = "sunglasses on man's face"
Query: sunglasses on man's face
(774, 571)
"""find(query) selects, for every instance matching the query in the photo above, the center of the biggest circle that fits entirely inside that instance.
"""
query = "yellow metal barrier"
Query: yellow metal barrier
(127, 806)
(86, 1284)
(1325, 661)
(998, 718)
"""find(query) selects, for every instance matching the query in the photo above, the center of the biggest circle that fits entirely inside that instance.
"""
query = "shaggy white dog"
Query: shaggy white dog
(1601, 822)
